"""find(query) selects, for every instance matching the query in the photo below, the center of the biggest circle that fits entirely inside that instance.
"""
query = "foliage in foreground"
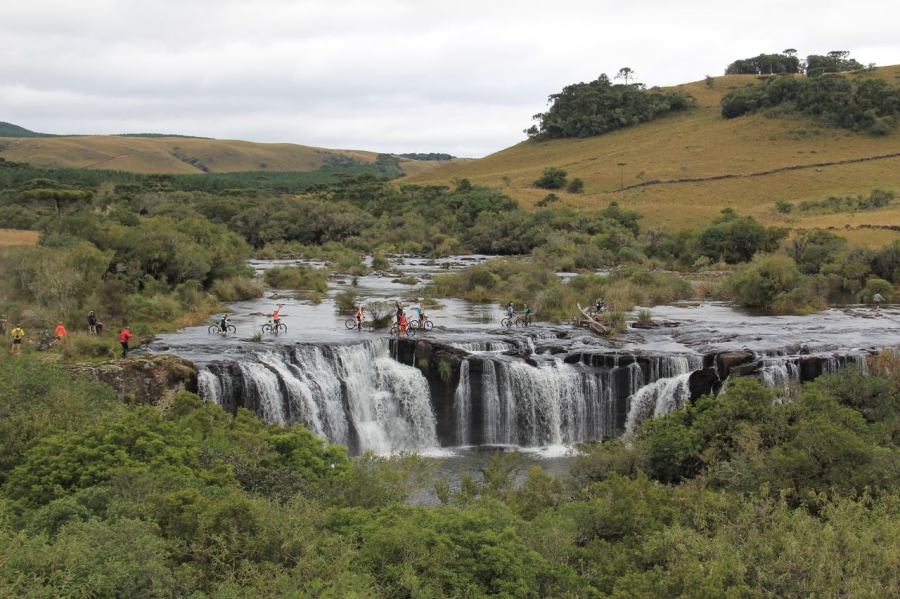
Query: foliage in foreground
(750, 494)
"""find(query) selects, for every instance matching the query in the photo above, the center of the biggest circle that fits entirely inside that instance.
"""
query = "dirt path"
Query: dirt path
(758, 174)
(111, 159)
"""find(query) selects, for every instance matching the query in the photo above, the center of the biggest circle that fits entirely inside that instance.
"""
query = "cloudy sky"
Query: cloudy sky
(456, 76)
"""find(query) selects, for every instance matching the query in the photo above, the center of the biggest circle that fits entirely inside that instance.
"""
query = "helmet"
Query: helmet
(127, 328)
(18, 325)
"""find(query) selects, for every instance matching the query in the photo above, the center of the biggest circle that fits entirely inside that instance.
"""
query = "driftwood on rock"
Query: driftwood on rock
(592, 323)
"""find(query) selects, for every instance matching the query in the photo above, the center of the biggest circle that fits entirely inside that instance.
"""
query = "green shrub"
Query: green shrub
(297, 277)
(347, 301)
(237, 288)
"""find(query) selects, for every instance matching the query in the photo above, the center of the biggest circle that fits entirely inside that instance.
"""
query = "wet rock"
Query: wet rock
(143, 380)
(703, 382)
(727, 361)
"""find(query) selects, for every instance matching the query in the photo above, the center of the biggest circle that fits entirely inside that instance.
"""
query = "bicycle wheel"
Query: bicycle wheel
(350, 323)
(213, 328)
(281, 328)
(232, 329)
(505, 322)
(395, 329)
(428, 325)
(410, 332)
(518, 321)
(414, 324)
(266, 328)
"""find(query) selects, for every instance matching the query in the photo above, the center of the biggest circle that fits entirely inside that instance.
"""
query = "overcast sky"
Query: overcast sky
(456, 76)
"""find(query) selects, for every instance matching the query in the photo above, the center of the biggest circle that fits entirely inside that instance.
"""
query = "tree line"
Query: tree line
(787, 62)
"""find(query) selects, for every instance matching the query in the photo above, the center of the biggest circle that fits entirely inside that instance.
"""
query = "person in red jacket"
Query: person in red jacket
(61, 333)
(124, 337)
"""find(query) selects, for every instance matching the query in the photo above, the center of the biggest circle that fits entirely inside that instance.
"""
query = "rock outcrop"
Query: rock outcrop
(143, 380)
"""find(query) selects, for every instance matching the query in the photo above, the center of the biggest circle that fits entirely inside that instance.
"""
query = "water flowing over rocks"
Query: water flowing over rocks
(474, 384)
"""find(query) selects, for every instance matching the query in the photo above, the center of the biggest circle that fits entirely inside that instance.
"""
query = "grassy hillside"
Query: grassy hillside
(178, 154)
(698, 144)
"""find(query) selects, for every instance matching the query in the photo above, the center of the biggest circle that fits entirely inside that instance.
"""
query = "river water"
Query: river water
(348, 386)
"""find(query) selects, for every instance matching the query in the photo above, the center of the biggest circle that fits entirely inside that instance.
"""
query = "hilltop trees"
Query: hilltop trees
(837, 61)
(766, 64)
(598, 107)
(869, 105)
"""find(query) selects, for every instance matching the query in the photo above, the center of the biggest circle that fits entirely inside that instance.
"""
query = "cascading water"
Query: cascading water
(354, 395)
(362, 396)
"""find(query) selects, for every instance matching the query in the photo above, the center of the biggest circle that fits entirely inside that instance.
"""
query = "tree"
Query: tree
(625, 73)
(553, 178)
(58, 197)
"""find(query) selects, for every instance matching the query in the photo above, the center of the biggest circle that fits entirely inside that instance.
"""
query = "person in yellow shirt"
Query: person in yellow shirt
(17, 334)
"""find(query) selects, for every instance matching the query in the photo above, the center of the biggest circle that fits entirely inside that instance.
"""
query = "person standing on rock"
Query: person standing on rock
(878, 301)
(124, 337)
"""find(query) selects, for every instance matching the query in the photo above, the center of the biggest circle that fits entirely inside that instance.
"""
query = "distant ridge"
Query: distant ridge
(10, 130)
(161, 135)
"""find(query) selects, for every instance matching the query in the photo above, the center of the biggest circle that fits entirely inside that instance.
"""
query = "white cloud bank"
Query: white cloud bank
(461, 77)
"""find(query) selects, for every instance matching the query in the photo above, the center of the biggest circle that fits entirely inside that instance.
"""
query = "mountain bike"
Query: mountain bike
(46, 341)
(271, 327)
(214, 328)
(350, 323)
(410, 331)
(427, 325)
(519, 320)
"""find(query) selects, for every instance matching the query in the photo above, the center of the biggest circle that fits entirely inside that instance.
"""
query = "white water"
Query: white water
(359, 396)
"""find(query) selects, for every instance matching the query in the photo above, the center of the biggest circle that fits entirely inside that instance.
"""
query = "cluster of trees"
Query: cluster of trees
(868, 105)
(750, 494)
(427, 156)
(788, 62)
(598, 107)
(766, 64)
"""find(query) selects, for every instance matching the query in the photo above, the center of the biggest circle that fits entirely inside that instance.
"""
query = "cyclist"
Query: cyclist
(527, 312)
(276, 317)
(401, 320)
(399, 312)
(510, 310)
(92, 322)
(600, 305)
(17, 334)
(360, 316)
(223, 324)
(422, 317)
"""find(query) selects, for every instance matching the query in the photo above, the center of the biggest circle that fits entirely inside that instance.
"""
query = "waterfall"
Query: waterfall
(354, 395)
(360, 396)
(667, 390)
(462, 406)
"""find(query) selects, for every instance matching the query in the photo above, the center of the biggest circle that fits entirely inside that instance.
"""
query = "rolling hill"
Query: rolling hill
(175, 154)
(792, 159)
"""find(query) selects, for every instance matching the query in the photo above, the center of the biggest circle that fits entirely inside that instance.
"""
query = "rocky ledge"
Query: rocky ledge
(143, 380)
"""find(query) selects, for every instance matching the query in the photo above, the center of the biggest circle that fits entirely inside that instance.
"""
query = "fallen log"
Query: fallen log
(592, 323)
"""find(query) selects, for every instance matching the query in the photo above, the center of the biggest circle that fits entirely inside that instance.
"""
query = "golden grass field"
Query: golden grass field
(17, 237)
(695, 144)
(700, 143)
(158, 154)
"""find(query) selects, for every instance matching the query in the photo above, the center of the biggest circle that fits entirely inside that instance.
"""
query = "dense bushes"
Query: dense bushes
(748, 494)
(867, 105)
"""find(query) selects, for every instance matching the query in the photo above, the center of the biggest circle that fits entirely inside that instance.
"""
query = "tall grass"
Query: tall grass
(300, 276)
(237, 288)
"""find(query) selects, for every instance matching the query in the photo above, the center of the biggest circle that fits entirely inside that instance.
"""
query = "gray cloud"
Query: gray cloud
(461, 77)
